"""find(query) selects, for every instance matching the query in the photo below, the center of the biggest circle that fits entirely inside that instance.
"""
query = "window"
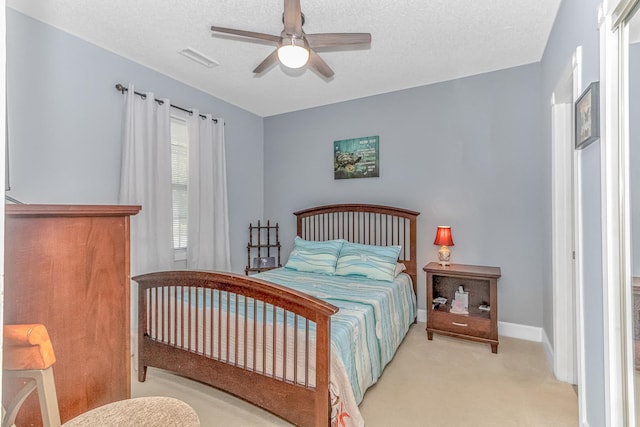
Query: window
(179, 183)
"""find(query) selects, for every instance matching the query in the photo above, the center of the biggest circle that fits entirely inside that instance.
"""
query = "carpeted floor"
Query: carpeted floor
(444, 382)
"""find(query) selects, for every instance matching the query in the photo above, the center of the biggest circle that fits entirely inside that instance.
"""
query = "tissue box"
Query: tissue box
(463, 297)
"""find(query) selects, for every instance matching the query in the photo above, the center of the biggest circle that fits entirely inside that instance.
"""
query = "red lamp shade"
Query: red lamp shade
(443, 236)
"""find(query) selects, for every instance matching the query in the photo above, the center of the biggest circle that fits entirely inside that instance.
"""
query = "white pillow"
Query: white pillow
(400, 267)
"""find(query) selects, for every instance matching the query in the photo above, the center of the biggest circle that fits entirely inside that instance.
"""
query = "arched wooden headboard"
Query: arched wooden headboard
(366, 224)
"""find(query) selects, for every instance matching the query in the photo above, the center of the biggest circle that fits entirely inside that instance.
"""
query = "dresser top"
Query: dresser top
(70, 210)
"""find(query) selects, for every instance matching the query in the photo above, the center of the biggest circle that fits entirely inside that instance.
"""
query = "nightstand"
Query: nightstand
(480, 323)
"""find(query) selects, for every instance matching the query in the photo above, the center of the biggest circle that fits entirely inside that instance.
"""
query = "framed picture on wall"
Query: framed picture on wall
(587, 116)
(356, 158)
(264, 262)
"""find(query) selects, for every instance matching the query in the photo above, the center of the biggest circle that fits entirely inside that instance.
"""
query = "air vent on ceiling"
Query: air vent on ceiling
(200, 58)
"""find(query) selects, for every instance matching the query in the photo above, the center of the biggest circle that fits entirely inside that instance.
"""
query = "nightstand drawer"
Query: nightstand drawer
(465, 325)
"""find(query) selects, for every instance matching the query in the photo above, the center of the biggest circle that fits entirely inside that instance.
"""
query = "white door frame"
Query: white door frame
(616, 236)
(568, 320)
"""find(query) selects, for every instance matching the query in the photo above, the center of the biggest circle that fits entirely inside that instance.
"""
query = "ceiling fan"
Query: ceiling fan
(295, 48)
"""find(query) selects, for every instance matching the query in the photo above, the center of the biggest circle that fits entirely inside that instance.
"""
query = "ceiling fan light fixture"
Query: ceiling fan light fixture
(294, 54)
(295, 48)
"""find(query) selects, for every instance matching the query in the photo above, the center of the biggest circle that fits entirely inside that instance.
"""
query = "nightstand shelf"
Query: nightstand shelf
(481, 284)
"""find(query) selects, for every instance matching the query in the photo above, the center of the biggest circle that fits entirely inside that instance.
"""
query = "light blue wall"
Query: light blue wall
(465, 153)
(65, 124)
(577, 25)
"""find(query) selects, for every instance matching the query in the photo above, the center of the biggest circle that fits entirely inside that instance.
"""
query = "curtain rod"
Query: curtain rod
(122, 89)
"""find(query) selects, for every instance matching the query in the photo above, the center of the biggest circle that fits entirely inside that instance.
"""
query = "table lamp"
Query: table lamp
(443, 239)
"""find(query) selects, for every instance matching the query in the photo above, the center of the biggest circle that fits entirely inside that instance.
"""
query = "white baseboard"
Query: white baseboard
(548, 348)
(512, 330)
(523, 332)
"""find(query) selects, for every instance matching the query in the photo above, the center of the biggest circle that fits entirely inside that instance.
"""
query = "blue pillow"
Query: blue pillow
(374, 262)
(314, 256)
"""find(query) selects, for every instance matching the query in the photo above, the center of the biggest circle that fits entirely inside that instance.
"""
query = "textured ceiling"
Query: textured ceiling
(414, 42)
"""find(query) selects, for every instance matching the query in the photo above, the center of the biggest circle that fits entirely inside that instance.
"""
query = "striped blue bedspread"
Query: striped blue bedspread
(373, 319)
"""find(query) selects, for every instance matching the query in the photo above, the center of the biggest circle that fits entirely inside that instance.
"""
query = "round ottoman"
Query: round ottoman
(139, 412)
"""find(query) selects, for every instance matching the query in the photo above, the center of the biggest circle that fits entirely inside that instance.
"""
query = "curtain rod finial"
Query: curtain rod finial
(120, 88)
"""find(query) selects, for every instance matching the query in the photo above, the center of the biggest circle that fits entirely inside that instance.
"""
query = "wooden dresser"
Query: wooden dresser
(67, 267)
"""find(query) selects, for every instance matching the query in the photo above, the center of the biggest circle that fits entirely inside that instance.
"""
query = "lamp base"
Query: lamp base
(444, 256)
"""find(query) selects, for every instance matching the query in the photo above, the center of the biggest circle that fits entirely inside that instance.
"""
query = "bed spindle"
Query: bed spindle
(273, 339)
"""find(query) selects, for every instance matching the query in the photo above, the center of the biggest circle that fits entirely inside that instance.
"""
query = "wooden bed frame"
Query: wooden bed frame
(195, 342)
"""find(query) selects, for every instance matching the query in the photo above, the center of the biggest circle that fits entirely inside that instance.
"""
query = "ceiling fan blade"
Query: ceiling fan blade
(243, 33)
(337, 39)
(268, 62)
(319, 65)
(292, 18)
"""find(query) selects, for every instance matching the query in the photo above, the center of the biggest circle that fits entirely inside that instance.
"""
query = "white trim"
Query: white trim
(523, 332)
(625, 316)
(610, 218)
(618, 363)
(565, 351)
(619, 369)
(422, 315)
(578, 258)
(579, 279)
(621, 11)
(562, 250)
(547, 347)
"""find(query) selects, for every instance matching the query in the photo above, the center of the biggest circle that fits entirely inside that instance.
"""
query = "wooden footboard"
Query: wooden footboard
(262, 342)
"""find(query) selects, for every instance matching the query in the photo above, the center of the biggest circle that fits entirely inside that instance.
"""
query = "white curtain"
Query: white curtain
(146, 181)
(208, 230)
